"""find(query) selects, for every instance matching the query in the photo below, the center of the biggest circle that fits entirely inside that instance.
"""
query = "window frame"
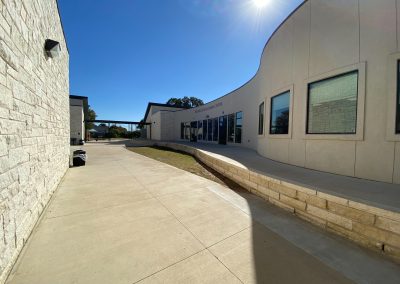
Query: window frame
(261, 121)
(209, 130)
(200, 129)
(393, 90)
(182, 131)
(308, 103)
(359, 133)
(187, 131)
(287, 89)
(233, 127)
(397, 115)
(241, 127)
(270, 113)
(215, 127)
(205, 130)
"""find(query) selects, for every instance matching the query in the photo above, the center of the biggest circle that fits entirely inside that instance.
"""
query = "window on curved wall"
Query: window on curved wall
(238, 127)
(200, 130)
(261, 119)
(231, 128)
(187, 130)
(332, 105)
(279, 120)
(398, 99)
(182, 130)
(193, 131)
(215, 129)
(210, 130)
(205, 129)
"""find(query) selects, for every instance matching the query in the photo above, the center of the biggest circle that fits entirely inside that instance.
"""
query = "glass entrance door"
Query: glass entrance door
(222, 125)
(193, 131)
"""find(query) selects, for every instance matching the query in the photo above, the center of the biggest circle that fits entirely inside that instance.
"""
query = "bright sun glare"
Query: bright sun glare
(261, 3)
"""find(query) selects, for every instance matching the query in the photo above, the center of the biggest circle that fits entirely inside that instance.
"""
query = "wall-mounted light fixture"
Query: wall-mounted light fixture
(52, 48)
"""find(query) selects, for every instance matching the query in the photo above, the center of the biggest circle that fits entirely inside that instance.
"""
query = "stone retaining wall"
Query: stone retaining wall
(366, 225)
(34, 119)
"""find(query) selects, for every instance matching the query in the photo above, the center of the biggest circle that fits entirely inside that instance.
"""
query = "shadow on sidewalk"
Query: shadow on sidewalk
(275, 259)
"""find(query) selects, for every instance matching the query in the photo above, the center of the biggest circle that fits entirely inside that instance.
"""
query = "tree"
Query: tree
(175, 102)
(91, 116)
(141, 124)
(117, 132)
(185, 102)
(196, 102)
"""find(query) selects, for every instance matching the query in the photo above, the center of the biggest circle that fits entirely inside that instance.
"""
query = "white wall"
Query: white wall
(77, 129)
(154, 117)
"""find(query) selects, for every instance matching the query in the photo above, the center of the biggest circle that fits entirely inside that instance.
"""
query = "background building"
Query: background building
(325, 96)
(78, 107)
(156, 114)
(34, 119)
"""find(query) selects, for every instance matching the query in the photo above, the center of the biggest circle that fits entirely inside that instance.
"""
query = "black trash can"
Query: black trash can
(79, 158)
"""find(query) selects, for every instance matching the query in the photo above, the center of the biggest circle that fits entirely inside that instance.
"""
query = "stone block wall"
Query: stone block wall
(34, 119)
(369, 226)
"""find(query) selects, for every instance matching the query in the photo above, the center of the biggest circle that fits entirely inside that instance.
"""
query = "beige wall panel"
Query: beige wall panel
(278, 60)
(396, 172)
(378, 40)
(297, 143)
(156, 126)
(334, 38)
(277, 149)
(297, 152)
(375, 160)
(331, 156)
(301, 28)
(377, 29)
(301, 43)
(398, 24)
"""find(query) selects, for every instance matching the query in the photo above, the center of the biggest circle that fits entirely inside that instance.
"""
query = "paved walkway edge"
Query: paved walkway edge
(375, 228)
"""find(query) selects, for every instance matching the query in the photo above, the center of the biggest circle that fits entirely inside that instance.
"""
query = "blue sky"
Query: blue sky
(125, 53)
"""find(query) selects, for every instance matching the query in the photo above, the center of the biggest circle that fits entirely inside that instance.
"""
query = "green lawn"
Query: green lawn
(185, 162)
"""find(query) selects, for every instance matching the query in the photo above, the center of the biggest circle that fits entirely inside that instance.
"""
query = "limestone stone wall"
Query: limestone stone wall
(34, 119)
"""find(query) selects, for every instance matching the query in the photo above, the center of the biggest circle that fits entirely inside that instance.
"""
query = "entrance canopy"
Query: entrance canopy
(118, 122)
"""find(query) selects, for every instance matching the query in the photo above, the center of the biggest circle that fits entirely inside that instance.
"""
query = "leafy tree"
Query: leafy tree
(175, 102)
(91, 116)
(117, 132)
(195, 102)
(134, 134)
(185, 102)
(141, 124)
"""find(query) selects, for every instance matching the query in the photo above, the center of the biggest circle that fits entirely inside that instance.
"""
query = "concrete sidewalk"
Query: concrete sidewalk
(125, 218)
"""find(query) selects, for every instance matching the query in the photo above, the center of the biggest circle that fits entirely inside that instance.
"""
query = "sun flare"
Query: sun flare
(261, 3)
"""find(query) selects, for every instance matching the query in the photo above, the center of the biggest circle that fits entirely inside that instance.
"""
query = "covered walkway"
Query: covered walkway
(125, 218)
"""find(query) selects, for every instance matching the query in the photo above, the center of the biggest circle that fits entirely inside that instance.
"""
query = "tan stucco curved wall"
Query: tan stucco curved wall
(320, 39)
